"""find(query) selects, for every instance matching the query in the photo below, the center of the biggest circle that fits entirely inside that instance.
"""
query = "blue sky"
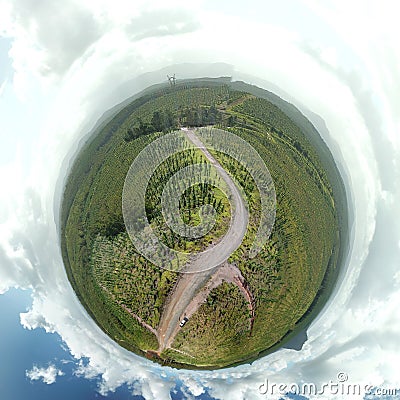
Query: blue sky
(61, 68)
(21, 350)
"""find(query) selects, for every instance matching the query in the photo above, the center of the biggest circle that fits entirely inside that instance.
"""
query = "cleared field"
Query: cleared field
(296, 269)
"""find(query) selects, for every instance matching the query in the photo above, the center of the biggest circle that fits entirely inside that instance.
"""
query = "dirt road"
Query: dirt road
(207, 262)
(228, 273)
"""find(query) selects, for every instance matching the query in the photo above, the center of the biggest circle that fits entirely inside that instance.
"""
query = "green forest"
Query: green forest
(290, 279)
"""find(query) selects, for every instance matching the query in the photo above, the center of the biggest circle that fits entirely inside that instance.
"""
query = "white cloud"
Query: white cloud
(359, 327)
(193, 387)
(48, 39)
(47, 375)
(2, 87)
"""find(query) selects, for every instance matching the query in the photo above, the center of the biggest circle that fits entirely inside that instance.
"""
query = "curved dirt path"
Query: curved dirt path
(228, 273)
(189, 282)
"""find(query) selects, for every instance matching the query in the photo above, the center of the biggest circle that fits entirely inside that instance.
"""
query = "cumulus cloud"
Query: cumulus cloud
(47, 375)
(61, 33)
(94, 48)
(49, 39)
(191, 387)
